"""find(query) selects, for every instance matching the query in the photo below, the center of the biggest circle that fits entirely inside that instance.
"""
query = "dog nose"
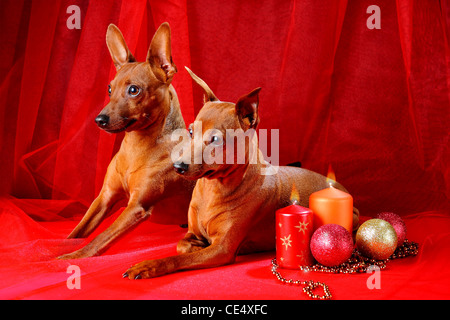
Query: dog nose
(180, 167)
(102, 120)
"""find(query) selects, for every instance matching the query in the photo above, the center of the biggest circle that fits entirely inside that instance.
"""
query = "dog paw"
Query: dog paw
(145, 270)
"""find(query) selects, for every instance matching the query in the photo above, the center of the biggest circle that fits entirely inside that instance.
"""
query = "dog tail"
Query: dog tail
(209, 93)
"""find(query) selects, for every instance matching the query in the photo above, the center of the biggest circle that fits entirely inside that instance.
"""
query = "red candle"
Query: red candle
(294, 226)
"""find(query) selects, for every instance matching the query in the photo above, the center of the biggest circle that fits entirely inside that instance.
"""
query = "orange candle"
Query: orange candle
(331, 205)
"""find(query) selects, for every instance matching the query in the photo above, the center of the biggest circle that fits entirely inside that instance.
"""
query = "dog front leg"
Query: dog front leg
(129, 218)
(96, 213)
(215, 255)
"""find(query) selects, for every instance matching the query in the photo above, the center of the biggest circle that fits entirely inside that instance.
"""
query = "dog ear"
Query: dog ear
(117, 47)
(160, 54)
(209, 95)
(247, 110)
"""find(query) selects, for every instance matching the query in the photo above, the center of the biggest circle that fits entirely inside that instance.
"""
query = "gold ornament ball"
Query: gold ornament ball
(376, 239)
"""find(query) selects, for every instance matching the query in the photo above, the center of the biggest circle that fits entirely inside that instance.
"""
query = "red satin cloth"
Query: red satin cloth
(375, 104)
(28, 269)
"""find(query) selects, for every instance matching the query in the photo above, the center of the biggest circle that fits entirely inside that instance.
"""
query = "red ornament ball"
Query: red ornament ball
(397, 223)
(331, 245)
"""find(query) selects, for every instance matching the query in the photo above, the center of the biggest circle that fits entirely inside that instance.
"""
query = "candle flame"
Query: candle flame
(331, 176)
(295, 197)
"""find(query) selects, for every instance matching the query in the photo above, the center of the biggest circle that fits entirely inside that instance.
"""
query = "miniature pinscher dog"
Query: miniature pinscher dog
(232, 210)
(144, 104)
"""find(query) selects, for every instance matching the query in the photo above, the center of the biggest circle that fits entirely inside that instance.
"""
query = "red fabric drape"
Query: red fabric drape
(375, 104)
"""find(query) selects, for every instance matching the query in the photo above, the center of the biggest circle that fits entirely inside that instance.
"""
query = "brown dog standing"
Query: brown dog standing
(145, 105)
(233, 205)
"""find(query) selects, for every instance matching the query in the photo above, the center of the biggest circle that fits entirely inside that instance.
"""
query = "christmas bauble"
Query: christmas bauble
(397, 223)
(376, 239)
(331, 245)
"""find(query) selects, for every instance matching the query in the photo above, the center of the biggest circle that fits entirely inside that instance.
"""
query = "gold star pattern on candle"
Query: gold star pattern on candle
(302, 226)
(286, 241)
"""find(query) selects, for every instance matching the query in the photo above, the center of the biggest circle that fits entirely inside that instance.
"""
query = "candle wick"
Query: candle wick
(294, 201)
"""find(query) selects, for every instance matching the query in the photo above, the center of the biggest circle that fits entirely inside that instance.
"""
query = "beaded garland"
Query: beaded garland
(356, 264)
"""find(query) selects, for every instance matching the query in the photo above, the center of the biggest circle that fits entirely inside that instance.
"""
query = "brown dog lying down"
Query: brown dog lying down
(233, 206)
(145, 105)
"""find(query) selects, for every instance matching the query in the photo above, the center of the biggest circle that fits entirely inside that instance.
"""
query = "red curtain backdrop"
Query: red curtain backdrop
(373, 103)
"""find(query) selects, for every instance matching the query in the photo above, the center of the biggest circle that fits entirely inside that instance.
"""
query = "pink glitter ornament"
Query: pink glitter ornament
(331, 245)
(397, 223)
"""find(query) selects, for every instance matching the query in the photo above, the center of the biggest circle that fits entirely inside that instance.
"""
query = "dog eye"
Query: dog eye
(134, 90)
(216, 140)
(190, 131)
(109, 90)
